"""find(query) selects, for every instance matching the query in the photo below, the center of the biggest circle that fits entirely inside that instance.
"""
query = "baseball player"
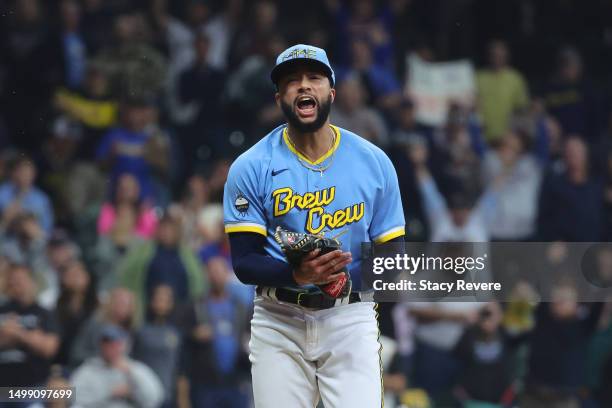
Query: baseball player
(312, 177)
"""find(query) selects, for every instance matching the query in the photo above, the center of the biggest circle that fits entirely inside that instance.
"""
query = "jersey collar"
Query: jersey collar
(304, 158)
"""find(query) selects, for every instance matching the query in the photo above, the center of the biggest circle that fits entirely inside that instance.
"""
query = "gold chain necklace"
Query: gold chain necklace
(313, 167)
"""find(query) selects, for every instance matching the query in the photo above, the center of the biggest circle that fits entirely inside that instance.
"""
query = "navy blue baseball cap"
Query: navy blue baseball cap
(111, 332)
(302, 54)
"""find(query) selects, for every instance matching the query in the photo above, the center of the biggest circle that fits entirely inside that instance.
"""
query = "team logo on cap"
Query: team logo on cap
(300, 53)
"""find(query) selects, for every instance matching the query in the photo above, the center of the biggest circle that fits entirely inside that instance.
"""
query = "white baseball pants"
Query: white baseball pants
(299, 355)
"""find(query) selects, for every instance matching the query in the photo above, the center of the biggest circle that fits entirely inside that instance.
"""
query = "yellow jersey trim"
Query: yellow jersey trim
(394, 233)
(320, 159)
(246, 228)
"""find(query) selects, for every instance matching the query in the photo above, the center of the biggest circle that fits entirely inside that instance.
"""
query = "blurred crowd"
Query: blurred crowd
(119, 120)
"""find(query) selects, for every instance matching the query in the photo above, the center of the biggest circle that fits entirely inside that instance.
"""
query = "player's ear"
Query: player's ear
(332, 95)
(277, 99)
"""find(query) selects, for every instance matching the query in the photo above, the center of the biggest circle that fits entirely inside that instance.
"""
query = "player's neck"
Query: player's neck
(312, 144)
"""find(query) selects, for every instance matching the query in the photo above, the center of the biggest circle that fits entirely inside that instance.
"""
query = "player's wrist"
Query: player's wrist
(297, 279)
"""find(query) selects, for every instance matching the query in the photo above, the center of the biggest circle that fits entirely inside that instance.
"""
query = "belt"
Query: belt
(312, 300)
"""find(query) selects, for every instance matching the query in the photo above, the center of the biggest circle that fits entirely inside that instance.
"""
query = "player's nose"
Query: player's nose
(305, 83)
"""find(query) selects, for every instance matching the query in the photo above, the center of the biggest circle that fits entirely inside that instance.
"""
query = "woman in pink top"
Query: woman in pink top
(126, 216)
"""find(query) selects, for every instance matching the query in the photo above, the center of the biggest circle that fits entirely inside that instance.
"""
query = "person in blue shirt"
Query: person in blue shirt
(122, 149)
(19, 195)
(216, 326)
(310, 176)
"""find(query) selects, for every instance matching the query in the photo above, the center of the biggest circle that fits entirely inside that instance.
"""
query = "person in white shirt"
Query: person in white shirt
(516, 208)
(458, 220)
(112, 380)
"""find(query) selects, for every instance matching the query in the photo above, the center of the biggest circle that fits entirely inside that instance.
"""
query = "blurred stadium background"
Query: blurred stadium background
(119, 120)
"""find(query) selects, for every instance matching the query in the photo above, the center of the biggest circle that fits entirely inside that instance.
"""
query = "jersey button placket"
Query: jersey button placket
(314, 180)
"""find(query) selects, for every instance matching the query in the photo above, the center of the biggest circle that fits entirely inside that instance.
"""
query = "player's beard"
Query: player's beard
(323, 109)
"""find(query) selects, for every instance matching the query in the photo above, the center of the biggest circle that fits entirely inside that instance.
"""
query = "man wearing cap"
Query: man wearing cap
(113, 380)
(310, 176)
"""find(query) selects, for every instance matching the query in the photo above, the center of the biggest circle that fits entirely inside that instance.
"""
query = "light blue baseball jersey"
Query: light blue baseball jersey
(268, 186)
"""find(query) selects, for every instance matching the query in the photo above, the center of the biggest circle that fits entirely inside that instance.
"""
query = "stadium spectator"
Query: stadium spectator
(55, 160)
(61, 252)
(362, 19)
(220, 29)
(164, 260)
(216, 247)
(21, 195)
(97, 22)
(24, 243)
(515, 175)
(91, 107)
(135, 68)
(459, 219)
(127, 215)
(571, 198)
(572, 99)
(169, 35)
(217, 175)
(28, 333)
(123, 149)
(66, 48)
(26, 88)
(252, 39)
(558, 344)
(487, 360)
(157, 342)
(440, 325)
(215, 360)
(159, 154)
(210, 225)
(174, 37)
(350, 112)
(501, 91)
(201, 86)
(456, 152)
(77, 301)
(117, 308)
(249, 88)
(405, 124)
(383, 89)
(114, 380)
(407, 134)
(188, 210)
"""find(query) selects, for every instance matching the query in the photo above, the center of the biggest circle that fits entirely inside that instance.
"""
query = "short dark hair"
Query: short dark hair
(20, 159)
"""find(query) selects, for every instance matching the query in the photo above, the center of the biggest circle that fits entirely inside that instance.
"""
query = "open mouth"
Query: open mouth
(306, 106)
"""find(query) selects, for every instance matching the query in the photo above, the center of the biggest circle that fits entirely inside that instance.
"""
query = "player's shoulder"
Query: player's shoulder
(359, 146)
(258, 157)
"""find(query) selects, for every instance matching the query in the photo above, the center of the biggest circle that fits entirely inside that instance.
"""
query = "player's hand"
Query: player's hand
(323, 269)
